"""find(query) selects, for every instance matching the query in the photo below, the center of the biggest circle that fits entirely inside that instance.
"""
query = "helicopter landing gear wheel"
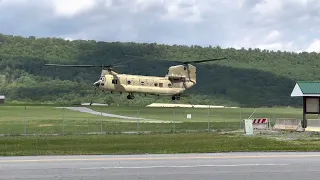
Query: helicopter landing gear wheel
(175, 98)
(130, 96)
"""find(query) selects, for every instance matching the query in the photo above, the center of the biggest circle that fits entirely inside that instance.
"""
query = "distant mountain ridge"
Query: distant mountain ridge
(248, 78)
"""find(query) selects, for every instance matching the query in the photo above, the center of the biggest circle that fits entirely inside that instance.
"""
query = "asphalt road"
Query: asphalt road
(228, 166)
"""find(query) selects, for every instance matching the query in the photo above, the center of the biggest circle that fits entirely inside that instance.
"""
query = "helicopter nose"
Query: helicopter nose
(97, 83)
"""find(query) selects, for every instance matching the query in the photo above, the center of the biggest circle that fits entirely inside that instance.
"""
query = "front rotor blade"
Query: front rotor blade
(116, 64)
(71, 65)
(85, 65)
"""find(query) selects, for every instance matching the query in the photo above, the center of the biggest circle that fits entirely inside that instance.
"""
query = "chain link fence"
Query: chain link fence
(47, 120)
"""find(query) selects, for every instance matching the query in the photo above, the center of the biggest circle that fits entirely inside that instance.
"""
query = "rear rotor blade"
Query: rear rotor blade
(201, 61)
(185, 62)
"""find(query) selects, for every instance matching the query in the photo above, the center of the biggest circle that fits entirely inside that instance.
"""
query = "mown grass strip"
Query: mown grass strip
(141, 144)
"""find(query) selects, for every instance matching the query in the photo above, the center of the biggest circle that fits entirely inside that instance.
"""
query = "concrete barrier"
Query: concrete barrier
(287, 124)
(261, 124)
(313, 125)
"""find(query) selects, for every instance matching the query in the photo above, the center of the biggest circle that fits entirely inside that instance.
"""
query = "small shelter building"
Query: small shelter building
(2, 99)
(310, 91)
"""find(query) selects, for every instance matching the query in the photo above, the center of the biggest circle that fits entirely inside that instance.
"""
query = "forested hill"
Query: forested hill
(251, 77)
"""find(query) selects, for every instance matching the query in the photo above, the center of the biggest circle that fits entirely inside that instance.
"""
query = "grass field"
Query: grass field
(16, 120)
(141, 144)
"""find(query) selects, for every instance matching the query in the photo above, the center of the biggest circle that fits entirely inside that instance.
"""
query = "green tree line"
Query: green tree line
(248, 78)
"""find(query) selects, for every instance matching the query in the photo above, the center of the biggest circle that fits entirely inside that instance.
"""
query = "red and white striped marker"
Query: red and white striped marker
(260, 121)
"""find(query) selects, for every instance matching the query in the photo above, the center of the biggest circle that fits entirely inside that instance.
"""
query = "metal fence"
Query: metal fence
(36, 120)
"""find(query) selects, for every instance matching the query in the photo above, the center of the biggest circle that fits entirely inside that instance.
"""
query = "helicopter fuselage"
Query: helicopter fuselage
(126, 83)
(178, 79)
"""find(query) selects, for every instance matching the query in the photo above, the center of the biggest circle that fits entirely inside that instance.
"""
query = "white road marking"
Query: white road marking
(142, 158)
(190, 166)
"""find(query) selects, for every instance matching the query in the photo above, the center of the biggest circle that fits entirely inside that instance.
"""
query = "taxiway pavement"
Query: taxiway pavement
(128, 118)
(222, 166)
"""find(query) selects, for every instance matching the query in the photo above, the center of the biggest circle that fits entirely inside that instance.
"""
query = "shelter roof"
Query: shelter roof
(306, 88)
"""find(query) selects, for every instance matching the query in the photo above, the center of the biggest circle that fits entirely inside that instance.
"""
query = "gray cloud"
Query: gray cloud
(279, 25)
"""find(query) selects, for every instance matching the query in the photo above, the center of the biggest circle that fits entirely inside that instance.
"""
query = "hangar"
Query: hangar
(310, 91)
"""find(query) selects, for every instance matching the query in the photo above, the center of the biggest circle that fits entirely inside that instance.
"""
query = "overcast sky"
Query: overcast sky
(287, 25)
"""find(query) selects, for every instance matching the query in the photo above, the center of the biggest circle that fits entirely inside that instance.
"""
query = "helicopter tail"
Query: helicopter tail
(185, 73)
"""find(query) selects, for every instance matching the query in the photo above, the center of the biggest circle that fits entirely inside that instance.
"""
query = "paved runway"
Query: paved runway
(226, 166)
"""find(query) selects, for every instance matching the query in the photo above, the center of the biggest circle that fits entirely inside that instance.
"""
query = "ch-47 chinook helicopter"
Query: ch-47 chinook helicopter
(178, 79)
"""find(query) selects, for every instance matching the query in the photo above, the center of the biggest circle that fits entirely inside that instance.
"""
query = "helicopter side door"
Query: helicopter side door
(110, 82)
